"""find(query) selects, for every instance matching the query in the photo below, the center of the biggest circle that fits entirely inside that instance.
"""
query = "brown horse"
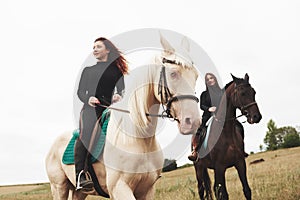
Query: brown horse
(225, 146)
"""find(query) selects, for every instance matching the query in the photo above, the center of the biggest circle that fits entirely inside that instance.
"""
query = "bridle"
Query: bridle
(165, 95)
(237, 99)
(243, 108)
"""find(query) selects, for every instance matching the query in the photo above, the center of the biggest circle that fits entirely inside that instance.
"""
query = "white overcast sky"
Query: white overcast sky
(43, 45)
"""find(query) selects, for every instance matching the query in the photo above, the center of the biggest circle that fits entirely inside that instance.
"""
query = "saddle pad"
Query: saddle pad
(208, 124)
(68, 157)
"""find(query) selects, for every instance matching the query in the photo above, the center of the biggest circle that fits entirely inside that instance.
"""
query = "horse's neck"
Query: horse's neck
(227, 111)
(142, 101)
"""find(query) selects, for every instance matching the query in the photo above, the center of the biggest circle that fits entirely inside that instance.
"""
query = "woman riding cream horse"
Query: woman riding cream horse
(132, 159)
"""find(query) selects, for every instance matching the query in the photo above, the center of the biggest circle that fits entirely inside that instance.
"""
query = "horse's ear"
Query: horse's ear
(166, 45)
(185, 44)
(233, 77)
(246, 77)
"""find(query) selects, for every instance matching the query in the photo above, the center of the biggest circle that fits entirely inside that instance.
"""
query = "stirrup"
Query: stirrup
(88, 184)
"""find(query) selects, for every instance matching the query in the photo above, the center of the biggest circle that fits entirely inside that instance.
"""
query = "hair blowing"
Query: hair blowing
(115, 55)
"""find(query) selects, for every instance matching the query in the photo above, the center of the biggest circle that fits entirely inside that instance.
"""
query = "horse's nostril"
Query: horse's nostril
(188, 120)
(257, 117)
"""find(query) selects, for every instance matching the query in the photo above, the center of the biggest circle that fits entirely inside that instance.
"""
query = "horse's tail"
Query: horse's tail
(207, 184)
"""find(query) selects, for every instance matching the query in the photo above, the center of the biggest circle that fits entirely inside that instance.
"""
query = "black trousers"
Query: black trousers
(88, 118)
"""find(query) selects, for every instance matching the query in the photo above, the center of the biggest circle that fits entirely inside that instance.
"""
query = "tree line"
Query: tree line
(281, 137)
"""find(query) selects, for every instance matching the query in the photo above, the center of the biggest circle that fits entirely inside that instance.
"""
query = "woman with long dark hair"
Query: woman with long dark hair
(209, 103)
(100, 84)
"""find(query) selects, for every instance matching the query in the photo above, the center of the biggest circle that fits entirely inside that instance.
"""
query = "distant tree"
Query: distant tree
(270, 139)
(283, 137)
(169, 165)
(282, 133)
(291, 140)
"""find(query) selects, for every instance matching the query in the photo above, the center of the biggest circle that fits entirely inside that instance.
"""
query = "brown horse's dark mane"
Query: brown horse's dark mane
(228, 84)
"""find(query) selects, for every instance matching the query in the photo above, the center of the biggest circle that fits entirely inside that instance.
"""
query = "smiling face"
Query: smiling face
(100, 51)
(210, 80)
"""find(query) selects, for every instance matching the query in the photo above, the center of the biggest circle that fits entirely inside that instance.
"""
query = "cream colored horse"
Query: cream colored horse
(132, 159)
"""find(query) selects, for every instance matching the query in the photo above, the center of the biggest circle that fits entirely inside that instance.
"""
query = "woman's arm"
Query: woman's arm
(204, 104)
(82, 91)
(120, 86)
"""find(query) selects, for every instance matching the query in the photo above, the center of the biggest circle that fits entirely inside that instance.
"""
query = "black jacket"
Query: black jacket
(100, 81)
(207, 101)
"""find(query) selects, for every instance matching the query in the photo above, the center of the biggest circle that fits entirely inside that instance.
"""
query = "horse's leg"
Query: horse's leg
(241, 168)
(120, 190)
(60, 185)
(149, 195)
(199, 175)
(77, 195)
(60, 191)
(220, 184)
(204, 183)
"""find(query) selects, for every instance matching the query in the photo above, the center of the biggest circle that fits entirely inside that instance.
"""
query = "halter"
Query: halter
(165, 95)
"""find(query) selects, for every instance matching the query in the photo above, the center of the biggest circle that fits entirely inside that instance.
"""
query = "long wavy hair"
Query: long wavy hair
(215, 91)
(115, 55)
(216, 86)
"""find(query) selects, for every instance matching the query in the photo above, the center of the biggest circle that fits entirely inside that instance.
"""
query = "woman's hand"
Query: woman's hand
(116, 98)
(212, 109)
(93, 101)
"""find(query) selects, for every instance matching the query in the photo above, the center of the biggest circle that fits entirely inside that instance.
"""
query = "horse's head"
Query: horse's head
(243, 98)
(176, 86)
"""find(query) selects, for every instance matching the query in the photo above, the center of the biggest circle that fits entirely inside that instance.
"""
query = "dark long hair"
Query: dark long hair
(115, 55)
(215, 91)
(216, 86)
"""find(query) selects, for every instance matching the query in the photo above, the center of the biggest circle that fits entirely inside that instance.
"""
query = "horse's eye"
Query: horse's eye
(173, 75)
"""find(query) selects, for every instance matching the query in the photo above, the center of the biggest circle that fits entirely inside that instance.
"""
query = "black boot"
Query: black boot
(83, 178)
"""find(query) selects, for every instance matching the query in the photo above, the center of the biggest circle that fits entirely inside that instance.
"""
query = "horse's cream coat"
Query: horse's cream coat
(132, 158)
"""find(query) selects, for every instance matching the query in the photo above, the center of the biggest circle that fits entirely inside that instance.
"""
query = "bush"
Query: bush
(169, 165)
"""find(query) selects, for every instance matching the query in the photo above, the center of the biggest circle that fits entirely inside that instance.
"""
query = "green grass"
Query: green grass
(275, 178)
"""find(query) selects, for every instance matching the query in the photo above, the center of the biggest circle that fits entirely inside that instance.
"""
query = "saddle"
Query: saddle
(68, 156)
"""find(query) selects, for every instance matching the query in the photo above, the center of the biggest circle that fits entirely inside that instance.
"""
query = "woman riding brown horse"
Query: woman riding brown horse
(224, 146)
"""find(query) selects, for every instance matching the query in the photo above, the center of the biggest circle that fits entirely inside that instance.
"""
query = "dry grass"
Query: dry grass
(278, 177)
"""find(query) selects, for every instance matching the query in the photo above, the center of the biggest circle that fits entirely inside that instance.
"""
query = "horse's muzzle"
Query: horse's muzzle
(255, 118)
(188, 125)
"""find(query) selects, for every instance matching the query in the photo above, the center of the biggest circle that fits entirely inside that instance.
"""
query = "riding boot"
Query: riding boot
(83, 178)
(195, 142)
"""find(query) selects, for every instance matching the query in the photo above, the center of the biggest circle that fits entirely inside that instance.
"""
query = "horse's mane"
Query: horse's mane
(228, 84)
(137, 97)
(239, 81)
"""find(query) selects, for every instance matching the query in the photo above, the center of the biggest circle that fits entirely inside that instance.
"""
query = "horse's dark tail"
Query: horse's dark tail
(207, 184)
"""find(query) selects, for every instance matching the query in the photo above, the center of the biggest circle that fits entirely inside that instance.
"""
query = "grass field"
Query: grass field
(278, 177)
